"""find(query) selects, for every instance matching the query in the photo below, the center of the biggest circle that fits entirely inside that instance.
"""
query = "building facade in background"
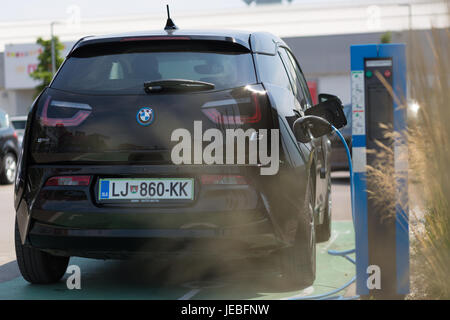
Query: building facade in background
(319, 34)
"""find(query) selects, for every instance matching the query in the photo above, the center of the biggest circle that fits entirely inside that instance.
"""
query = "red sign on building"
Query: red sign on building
(312, 85)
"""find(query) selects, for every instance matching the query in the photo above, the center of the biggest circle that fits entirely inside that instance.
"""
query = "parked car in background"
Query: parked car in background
(338, 154)
(19, 123)
(9, 150)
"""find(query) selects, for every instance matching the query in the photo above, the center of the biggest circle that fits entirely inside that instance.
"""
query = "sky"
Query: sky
(56, 9)
(59, 9)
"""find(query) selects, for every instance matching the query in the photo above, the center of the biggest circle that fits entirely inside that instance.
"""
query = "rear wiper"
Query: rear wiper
(177, 85)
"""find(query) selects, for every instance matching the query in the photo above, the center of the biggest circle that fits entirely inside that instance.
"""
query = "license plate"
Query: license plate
(146, 190)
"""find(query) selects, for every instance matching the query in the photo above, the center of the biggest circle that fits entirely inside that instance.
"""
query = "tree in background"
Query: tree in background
(386, 37)
(43, 71)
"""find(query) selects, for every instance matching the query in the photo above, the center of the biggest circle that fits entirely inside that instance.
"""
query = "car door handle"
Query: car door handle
(322, 172)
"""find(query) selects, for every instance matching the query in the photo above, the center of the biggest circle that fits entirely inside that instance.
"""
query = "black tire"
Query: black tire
(298, 263)
(323, 231)
(36, 266)
(8, 169)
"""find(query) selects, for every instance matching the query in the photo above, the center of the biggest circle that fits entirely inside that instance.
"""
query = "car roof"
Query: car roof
(255, 41)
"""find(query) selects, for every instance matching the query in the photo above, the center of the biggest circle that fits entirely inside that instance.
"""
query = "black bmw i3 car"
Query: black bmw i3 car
(98, 178)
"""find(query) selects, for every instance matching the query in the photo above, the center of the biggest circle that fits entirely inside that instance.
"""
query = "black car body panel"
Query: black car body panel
(98, 140)
(260, 215)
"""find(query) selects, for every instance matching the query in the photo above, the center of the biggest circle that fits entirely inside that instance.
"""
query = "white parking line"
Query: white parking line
(305, 292)
(190, 294)
(197, 286)
(334, 236)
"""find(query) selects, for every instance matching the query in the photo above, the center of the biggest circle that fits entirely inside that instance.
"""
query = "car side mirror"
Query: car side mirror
(326, 96)
(330, 108)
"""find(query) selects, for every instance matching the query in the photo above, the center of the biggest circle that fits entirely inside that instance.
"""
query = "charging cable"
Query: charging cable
(331, 295)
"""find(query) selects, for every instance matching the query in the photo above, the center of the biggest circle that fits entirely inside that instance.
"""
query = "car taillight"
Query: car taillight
(82, 112)
(15, 134)
(217, 115)
(222, 179)
(68, 181)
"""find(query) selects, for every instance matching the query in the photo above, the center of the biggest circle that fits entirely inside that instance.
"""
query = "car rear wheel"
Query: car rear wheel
(298, 263)
(9, 168)
(36, 266)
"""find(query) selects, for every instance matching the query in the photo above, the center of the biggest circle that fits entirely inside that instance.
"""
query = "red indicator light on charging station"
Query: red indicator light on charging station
(387, 73)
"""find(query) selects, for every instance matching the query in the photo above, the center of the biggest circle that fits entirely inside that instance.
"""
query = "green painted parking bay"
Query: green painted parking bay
(187, 278)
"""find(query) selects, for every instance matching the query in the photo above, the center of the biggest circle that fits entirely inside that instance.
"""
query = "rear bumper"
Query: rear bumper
(222, 219)
(240, 241)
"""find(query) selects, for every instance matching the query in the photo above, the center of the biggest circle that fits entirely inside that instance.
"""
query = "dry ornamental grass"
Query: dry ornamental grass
(429, 167)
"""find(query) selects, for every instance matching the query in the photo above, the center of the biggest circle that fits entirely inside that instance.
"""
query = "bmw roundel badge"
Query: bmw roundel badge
(145, 116)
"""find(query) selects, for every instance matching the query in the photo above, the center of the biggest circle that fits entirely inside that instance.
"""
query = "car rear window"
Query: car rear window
(122, 68)
(19, 124)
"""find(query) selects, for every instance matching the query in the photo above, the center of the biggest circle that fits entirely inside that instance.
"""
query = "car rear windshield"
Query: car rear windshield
(122, 67)
(19, 124)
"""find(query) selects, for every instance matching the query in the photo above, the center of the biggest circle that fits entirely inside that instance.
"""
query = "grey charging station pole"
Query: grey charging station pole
(381, 229)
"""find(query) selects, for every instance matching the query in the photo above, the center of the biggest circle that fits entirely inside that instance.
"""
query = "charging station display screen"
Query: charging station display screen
(380, 111)
(379, 103)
